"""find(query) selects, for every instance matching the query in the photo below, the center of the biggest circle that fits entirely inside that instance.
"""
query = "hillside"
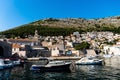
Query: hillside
(65, 26)
(79, 22)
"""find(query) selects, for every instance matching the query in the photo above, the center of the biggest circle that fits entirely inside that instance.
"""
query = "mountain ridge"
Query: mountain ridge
(51, 25)
(109, 20)
(79, 22)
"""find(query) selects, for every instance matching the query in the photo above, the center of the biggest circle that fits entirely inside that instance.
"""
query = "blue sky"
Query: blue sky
(14, 13)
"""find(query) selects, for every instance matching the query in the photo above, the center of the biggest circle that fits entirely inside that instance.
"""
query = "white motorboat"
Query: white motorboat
(107, 55)
(5, 63)
(16, 62)
(89, 61)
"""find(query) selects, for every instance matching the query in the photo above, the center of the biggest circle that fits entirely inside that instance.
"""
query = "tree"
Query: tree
(81, 46)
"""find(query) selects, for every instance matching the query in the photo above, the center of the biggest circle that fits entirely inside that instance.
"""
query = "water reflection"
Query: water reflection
(98, 72)
(17, 73)
(113, 62)
(5, 74)
(86, 72)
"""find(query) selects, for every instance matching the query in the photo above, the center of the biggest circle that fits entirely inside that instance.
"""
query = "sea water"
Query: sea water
(83, 72)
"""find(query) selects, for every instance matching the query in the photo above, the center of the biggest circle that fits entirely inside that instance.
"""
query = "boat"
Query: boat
(89, 61)
(54, 66)
(107, 55)
(16, 62)
(5, 63)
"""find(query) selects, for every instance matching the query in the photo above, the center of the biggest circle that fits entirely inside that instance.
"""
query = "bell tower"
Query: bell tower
(36, 36)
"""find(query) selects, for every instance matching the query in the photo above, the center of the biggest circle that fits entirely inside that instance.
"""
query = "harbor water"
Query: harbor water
(86, 72)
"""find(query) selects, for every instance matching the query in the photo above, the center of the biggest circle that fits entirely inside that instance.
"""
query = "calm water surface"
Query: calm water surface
(82, 73)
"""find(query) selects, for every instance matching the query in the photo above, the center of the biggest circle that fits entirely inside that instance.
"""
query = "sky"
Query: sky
(14, 13)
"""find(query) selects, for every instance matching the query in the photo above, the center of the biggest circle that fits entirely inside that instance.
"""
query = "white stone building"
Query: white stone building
(55, 52)
(19, 49)
(91, 53)
(114, 50)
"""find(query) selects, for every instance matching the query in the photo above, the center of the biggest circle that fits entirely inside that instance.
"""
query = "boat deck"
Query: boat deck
(55, 58)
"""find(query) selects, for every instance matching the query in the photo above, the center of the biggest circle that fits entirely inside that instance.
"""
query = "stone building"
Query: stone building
(5, 49)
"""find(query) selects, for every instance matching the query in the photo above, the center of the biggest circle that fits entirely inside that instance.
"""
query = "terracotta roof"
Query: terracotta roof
(22, 40)
(16, 46)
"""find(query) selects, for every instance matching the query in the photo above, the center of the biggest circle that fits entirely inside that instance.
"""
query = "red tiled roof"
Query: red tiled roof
(16, 46)
(22, 40)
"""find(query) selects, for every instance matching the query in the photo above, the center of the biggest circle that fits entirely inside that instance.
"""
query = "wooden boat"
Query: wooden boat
(89, 61)
(55, 66)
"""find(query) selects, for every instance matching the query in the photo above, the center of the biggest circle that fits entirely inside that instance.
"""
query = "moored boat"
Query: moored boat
(8, 63)
(107, 55)
(55, 66)
(89, 61)
(16, 62)
(5, 63)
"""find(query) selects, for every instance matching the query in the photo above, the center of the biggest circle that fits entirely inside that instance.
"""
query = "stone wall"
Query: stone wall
(5, 49)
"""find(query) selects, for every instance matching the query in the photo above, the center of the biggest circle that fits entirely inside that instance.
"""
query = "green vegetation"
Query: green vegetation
(26, 30)
(51, 19)
(42, 30)
(81, 46)
(64, 27)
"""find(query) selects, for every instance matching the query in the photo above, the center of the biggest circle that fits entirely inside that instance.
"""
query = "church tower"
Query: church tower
(36, 36)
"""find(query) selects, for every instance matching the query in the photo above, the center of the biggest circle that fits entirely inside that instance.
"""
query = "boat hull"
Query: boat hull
(90, 63)
(5, 64)
(58, 68)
